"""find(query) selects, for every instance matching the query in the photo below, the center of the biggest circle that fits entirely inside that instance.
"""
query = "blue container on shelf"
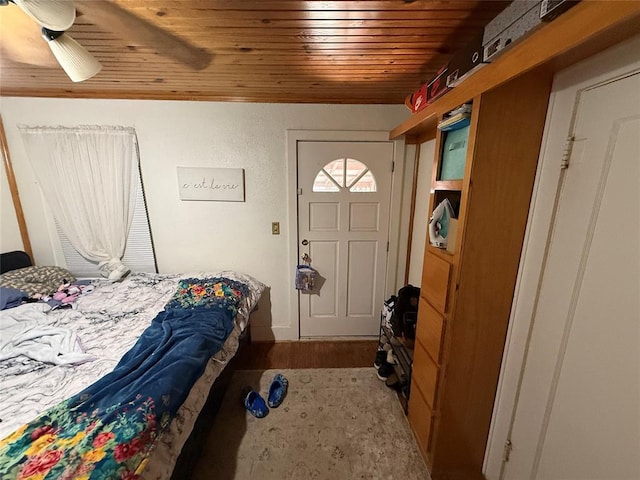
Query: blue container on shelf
(454, 154)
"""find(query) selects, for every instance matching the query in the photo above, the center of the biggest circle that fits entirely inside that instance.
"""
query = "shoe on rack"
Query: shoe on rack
(381, 357)
(277, 390)
(385, 370)
(254, 403)
(393, 382)
(391, 358)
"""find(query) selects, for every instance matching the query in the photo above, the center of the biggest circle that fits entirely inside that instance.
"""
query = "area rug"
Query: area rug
(337, 423)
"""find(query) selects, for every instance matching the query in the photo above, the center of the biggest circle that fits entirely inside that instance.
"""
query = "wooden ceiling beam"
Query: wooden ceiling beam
(461, 10)
(211, 40)
(284, 58)
(210, 21)
(81, 30)
(307, 5)
(239, 95)
(340, 51)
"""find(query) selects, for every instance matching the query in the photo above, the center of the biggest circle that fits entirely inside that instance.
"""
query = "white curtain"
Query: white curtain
(86, 174)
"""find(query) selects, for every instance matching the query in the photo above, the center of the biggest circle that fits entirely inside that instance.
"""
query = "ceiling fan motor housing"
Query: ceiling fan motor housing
(50, 35)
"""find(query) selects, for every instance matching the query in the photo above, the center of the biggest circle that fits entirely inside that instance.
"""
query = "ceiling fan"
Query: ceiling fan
(55, 17)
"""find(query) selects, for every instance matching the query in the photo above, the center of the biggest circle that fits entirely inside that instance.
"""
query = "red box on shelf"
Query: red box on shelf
(417, 100)
(438, 85)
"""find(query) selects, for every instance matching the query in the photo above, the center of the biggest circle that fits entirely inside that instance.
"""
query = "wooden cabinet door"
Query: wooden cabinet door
(435, 281)
(421, 420)
(430, 330)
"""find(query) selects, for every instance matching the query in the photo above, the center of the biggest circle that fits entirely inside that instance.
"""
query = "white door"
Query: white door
(578, 409)
(344, 192)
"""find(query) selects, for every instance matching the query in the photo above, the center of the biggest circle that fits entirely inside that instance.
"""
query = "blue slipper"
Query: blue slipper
(255, 404)
(277, 390)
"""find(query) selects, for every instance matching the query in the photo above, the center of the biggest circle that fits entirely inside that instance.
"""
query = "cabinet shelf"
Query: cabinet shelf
(584, 30)
(441, 253)
(447, 185)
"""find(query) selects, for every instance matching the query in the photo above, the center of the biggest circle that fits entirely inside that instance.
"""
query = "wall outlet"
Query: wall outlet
(275, 228)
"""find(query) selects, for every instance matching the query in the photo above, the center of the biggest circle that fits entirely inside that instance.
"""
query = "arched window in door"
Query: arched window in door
(345, 173)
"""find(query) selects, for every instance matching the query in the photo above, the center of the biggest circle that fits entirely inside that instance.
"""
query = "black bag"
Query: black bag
(405, 312)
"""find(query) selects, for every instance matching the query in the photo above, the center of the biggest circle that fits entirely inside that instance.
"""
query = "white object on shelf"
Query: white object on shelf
(439, 224)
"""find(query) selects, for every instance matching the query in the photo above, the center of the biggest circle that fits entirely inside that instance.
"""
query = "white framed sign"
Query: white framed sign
(213, 184)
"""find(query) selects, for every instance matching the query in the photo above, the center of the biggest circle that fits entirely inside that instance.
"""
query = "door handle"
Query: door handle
(305, 242)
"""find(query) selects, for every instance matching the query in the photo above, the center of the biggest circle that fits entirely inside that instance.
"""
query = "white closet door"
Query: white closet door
(578, 410)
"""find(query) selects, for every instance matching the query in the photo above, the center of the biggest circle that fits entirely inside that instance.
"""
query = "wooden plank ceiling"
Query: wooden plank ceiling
(340, 51)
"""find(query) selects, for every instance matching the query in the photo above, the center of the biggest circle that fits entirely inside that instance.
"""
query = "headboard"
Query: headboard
(14, 260)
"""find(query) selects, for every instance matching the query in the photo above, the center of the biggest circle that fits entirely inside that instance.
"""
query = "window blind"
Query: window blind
(139, 255)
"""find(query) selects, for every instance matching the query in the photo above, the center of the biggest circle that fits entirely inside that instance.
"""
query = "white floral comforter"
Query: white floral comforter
(108, 322)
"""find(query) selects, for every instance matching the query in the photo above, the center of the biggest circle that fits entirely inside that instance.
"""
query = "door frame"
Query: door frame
(292, 139)
(606, 66)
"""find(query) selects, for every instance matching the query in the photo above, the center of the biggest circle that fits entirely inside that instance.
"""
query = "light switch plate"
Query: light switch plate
(275, 228)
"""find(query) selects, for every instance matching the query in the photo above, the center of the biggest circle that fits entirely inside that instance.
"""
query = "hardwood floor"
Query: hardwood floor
(307, 354)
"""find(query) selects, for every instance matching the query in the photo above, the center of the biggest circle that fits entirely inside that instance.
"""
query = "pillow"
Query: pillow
(11, 297)
(207, 293)
(248, 301)
(37, 280)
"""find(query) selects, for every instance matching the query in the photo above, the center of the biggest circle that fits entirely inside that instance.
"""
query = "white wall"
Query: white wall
(199, 235)
(421, 211)
(404, 213)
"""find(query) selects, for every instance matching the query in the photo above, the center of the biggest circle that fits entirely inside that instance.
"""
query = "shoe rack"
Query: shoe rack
(402, 350)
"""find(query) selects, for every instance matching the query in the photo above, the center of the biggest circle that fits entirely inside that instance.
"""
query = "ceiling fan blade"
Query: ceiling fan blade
(55, 15)
(136, 30)
(75, 60)
(20, 39)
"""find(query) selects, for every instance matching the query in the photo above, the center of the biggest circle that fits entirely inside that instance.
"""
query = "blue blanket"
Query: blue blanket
(108, 429)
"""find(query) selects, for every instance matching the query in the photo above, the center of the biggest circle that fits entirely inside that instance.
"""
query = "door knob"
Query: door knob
(305, 242)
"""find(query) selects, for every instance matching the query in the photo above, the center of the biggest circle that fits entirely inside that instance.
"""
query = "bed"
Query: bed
(120, 385)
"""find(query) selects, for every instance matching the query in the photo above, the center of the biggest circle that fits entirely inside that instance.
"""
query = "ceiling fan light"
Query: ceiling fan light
(74, 59)
(52, 14)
